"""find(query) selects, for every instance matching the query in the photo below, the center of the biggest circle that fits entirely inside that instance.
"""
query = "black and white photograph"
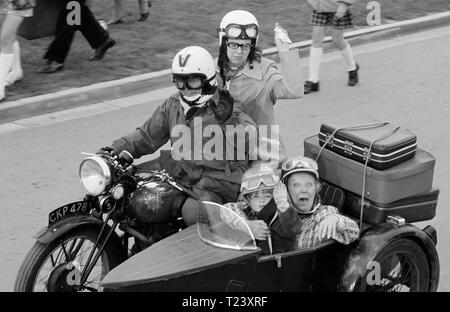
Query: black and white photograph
(209, 148)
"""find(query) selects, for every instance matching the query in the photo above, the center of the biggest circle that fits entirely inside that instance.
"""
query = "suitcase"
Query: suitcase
(420, 207)
(409, 178)
(392, 145)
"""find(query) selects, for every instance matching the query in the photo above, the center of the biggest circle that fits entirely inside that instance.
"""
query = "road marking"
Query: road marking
(161, 94)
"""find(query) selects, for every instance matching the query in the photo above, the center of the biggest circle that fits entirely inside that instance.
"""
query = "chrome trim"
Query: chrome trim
(365, 149)
(396, 220)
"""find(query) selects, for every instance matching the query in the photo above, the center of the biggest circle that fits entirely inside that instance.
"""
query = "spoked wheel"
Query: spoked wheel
(404, 268)
(57, 266)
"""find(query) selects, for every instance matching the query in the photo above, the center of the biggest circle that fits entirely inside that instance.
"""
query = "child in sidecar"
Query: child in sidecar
(319, 222)
(264, 204)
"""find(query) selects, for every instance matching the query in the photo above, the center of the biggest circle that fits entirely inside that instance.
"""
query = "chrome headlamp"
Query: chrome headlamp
(95, 175)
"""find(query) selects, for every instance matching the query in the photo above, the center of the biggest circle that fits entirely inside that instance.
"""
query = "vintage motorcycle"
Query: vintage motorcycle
(86, 239)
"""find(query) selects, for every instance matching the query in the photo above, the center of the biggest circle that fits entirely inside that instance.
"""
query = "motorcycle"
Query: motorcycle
(84, 240)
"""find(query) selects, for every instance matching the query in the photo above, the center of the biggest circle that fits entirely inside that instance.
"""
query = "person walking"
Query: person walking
(144, 6)
(98, 38)
(336, 14)
(10, 63)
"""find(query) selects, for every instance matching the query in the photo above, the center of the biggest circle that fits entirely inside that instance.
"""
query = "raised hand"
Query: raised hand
(281, 197)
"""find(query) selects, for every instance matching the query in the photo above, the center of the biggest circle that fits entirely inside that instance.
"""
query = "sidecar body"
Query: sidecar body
(211, 257)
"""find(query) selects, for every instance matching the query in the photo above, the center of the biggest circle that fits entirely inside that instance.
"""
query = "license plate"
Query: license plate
(69, 210)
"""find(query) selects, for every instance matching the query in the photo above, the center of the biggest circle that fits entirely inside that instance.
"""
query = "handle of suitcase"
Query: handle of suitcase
(382, 137)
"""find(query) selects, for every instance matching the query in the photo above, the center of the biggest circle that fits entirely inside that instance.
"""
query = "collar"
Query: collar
(255, 73)
(311, 212)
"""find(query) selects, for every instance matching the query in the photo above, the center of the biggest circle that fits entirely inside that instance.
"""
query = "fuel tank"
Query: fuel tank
(156, 201)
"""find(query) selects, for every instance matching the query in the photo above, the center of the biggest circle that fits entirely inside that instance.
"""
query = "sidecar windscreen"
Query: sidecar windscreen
(222, 227)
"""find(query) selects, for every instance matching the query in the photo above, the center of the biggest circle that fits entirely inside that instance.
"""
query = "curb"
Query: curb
(115, 89)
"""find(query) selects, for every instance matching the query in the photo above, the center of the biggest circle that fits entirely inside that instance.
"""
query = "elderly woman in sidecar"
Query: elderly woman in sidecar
(319, 222)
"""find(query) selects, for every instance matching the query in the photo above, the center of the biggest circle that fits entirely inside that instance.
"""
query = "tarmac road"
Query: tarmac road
(403, 80)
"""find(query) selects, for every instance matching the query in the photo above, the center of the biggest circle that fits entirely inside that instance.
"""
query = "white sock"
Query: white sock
(17, 65)
(6, 62)
(315, 59)
(347, 54)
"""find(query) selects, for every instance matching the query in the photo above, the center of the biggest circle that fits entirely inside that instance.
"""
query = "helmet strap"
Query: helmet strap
(208, 88)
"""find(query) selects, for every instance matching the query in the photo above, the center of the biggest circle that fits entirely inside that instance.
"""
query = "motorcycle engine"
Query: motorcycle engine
(156, 201)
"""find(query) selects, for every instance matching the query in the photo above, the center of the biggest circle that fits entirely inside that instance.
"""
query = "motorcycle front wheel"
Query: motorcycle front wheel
(57, 266)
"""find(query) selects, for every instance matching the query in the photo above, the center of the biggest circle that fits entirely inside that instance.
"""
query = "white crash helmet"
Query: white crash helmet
(247, 26)
(194, 68)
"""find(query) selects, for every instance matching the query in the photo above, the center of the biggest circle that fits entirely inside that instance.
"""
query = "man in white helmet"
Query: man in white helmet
(197, 105)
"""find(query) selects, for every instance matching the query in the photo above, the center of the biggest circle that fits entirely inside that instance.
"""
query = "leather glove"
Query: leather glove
(106, 150)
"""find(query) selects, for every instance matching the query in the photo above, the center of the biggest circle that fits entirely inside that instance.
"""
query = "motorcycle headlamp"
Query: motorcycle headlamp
(95, 175)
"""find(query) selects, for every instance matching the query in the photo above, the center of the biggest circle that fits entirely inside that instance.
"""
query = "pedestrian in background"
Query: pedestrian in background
(144, 6)
(337, 14)
(10, 64)
(97, 36)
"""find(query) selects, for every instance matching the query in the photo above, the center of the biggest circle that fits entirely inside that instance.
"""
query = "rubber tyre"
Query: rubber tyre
(39, 252)
(416, 257)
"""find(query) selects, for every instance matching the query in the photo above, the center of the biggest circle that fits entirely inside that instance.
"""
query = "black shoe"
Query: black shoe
(101, 50)
(51, 67)
(311, 86)
(353, 76)
(143, 17)
(117, 21)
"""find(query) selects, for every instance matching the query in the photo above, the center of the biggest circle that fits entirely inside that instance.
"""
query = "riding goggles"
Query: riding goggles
(300, 164)
(253, 182)
(190, 81)
(236, 31)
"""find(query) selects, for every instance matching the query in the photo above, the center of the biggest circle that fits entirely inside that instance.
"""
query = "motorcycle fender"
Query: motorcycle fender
(50, 233)
(371, 243)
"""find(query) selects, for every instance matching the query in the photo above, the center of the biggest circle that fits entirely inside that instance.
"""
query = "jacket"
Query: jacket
(189, 144)
(257, 90)
(284, 226)
(328, 6)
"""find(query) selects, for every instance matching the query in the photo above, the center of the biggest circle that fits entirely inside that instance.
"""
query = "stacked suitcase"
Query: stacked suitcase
(397, 179)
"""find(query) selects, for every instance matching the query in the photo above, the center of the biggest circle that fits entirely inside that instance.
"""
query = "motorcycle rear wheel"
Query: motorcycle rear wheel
(404, 268)
(66, 263)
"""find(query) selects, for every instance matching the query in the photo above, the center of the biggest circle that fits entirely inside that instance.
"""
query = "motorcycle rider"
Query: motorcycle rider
(197, 106)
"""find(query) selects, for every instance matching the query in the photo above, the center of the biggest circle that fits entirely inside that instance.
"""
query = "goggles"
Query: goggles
(234, 46)
(298, 164)
(190, 81)
(236, 31)
(253, 182)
